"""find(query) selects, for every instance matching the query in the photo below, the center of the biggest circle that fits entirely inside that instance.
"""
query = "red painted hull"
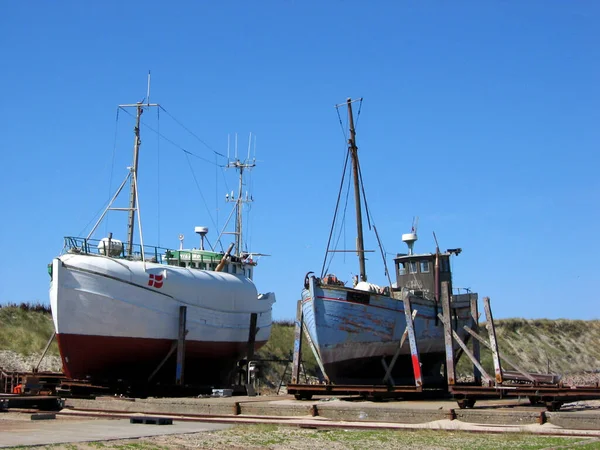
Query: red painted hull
(109, 358)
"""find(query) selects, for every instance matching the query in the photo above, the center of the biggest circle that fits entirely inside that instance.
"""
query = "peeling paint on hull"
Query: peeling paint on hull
(353, 337)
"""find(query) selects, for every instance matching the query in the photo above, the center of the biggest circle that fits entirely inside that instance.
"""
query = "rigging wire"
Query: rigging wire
(337, 204)
(199, 190)
(337, 109)
(158, 170)
(342, 230)
(171, 142)
(364, 195)
(112, 166)
(191, 132)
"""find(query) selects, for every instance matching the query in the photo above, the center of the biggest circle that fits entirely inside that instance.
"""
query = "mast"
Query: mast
(240, 166)
(132, 194)
(134, 168)
(359, 229)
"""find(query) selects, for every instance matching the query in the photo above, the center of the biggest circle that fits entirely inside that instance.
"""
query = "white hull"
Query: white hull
(101, 296)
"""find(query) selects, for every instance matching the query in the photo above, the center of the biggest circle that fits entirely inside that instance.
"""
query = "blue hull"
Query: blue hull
(353, 330)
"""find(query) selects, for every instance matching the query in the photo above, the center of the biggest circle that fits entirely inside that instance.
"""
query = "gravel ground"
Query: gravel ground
(13, 361)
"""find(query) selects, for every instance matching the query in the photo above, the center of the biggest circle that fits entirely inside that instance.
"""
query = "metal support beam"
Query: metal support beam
(475, 326)
(414, 351)
(179, 369)
(493, 342)
(447, 321)
(297, 344)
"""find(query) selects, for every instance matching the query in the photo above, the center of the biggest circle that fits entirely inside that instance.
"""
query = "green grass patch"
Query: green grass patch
(25, 329)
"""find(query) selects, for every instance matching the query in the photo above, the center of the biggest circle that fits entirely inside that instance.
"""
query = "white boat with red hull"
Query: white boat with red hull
(116, 307)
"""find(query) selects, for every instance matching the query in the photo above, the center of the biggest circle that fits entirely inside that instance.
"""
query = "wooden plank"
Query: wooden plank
(414, 351)
(179, 369)
(395, 357)
(503, 358)
(447, 321)
(475, 325)
(297, 344)
(471, 356)
(493, 341)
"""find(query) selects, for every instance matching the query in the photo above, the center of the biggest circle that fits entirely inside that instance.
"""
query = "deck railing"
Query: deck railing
(86, 246)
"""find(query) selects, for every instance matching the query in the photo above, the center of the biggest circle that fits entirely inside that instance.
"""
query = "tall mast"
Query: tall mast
(239, 202)
(134, 168)
(132, 193)
(359, 229)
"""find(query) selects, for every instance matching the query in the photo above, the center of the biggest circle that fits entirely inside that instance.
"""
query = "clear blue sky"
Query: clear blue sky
(481, 118)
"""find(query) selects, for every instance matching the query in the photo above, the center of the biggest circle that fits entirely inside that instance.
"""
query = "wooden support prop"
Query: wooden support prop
(475, 326)
(179, 369)
(446, 320)
(414, 351)
(37, 366)
(315, 352)
(297, 343)
(162, 363)
(282, 377)
(388, 369)
(503, 358)
(252, 336)
(493, 342)
(467, 352)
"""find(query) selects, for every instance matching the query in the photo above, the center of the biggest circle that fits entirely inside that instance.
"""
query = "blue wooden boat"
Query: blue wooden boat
(356, 331)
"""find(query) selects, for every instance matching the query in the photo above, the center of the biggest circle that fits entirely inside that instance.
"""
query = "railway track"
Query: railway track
(316, 422)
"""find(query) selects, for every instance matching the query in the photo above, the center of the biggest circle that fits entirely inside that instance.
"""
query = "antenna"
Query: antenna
(235, 145)
(148, 92)
(411, 238)
(249, 145)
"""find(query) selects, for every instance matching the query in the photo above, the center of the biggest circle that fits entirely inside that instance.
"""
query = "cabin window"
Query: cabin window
(412, 268)
(402, 269)
(425, 266)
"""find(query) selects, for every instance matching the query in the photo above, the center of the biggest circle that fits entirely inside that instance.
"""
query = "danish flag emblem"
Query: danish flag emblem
(155, 281)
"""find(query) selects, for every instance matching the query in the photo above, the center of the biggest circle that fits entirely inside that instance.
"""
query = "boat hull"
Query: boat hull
(118, 319)
(353, 331)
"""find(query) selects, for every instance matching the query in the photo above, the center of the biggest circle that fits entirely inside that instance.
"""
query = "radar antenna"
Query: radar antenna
(411, 238)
